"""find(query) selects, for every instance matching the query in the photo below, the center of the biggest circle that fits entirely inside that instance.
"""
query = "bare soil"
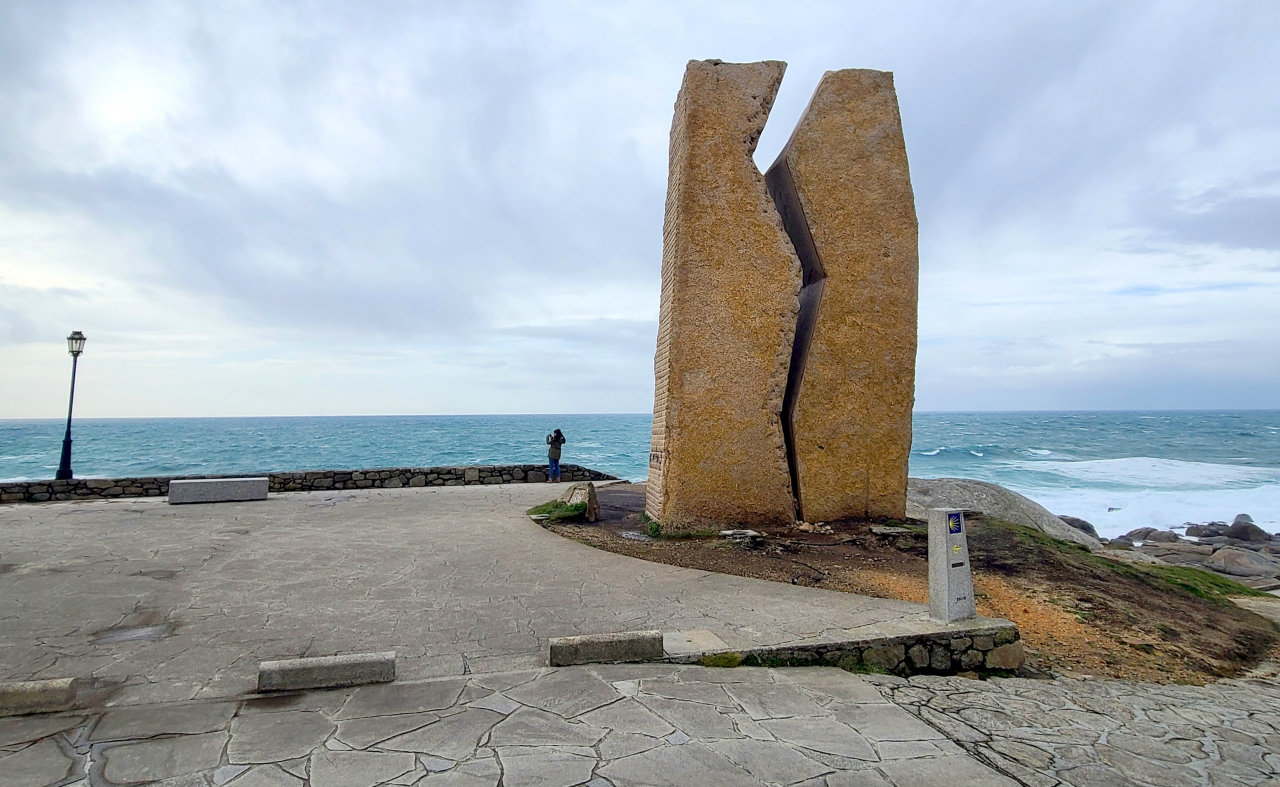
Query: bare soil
(1078, 613)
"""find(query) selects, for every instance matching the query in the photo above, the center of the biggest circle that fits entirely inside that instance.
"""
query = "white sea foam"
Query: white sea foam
(1145, 473)
(1161, 508)
(934, 452)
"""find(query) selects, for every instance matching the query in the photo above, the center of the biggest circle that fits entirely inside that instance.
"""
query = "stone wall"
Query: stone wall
(307, 481)
(985, 650)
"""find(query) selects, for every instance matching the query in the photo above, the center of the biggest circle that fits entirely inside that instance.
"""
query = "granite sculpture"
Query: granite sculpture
(785, 365)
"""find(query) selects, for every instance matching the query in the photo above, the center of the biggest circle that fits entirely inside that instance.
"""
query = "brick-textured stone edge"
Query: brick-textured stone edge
(306, 481)
(990, 649)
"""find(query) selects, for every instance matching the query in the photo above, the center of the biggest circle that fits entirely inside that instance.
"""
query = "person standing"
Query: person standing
(554, 441)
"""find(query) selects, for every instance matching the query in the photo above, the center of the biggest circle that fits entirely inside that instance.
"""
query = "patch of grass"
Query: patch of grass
(1036, 546)
(1206, 585)
(721, 660)
(560, 512)
(653, 526)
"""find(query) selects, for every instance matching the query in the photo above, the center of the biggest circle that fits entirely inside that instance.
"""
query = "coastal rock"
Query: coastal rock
(1205, 531)
(1132, 556)
(1180, 546)
(1163, 537)
(727, 318)
(843, 190)
(1244, 529)
(1243, 563)
(1140, 533)
(1080, 524)
(993, 501)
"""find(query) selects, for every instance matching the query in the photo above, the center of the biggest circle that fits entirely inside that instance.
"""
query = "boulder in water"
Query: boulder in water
(1164, 537)
(991, 500)
(1079, 524)
(1244, 529)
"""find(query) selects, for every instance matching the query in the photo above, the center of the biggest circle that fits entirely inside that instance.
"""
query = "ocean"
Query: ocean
(1119, 470)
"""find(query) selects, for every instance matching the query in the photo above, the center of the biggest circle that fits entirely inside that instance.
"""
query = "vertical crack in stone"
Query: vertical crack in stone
(782, 189)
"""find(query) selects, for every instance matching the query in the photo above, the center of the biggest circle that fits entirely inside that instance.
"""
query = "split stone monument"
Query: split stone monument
(785, 368)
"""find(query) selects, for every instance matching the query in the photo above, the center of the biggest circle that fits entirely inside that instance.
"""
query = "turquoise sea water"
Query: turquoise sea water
(1119, 470)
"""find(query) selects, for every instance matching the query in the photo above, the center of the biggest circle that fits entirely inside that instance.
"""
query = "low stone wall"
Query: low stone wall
(995, 649)
(306, 481)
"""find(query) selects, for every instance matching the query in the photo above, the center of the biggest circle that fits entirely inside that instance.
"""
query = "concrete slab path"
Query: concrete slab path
(183, 602)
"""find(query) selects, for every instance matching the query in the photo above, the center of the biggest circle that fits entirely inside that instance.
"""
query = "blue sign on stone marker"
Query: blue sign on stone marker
(955, 523)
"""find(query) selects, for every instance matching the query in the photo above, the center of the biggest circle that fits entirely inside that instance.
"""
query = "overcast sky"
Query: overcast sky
(374, 207)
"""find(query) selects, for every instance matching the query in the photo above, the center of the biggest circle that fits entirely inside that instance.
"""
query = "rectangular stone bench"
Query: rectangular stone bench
(218, 490)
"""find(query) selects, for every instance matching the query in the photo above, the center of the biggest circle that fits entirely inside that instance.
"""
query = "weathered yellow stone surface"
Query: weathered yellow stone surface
(852, 415)
(730, 284)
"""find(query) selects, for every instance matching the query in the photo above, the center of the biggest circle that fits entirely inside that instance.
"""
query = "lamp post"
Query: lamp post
(75, 346)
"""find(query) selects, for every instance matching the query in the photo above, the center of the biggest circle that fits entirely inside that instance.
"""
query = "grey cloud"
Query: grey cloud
(378, 178)
(1243, 222)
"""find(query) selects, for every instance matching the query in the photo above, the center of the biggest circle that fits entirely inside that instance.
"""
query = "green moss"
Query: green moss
(721, 660)
(560, 512)
(1205, 584)
(1034, 546)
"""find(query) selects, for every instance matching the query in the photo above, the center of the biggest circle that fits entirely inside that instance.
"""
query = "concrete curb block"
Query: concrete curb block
(327, 672)
(605, 648)
(37, 696)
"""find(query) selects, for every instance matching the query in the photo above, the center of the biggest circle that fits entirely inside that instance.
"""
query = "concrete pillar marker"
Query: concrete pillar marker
(950, 576)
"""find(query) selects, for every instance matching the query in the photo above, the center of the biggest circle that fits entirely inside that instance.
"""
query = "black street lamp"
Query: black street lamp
(75, 346)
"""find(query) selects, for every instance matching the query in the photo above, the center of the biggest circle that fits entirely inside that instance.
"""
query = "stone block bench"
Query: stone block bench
(218, 490)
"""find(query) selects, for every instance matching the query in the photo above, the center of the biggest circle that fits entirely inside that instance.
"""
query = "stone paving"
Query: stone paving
(654, 724)
(183, 602)
(1104, 732)
(598, 725)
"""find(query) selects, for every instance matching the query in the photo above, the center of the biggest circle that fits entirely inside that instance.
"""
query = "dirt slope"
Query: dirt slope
(1078, 612)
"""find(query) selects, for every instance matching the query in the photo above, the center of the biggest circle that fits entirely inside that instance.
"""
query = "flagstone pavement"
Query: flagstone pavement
(658, 724)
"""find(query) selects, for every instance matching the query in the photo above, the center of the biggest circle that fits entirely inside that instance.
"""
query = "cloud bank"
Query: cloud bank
(334, 208)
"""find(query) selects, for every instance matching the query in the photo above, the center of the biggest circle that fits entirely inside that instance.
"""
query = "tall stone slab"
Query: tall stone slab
(730, 286)
(844, 191)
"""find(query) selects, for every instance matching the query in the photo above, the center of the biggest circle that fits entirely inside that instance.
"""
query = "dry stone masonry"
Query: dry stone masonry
(785, 368)
(306, 481)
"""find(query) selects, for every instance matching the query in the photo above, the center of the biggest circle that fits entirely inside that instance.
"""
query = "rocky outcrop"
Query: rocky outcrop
(1243, 529)
(991, 500)
(1243, 563)
(1080, 524)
